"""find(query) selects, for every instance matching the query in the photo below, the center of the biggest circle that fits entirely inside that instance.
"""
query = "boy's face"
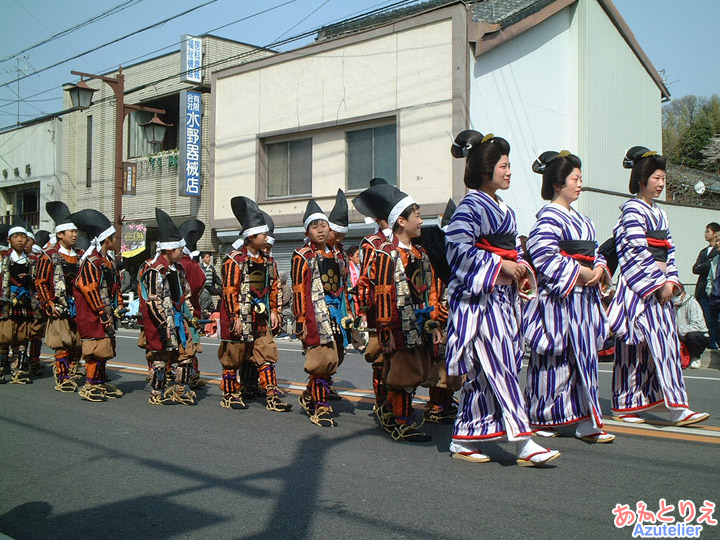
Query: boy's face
(318, 231)
(68, 238)
(174, 255)
(18, 241)
(258, 241)
(412, 224)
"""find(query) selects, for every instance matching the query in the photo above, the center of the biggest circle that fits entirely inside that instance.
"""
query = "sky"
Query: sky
(679, 36)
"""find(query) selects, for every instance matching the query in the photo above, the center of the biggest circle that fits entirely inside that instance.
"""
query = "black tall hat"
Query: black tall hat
(4, 228)
(635, 154)
(169, 236)
(192, 231)
(448, 214)
(82, 243)
(383, 201)
(93, 223)
(377, 181)
(60, 213)
(339, 214)
(42, 237)
(313, 212)
(248, 213)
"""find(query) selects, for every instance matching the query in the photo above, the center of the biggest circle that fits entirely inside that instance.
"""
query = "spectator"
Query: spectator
(213, 284)
(692, 331)
(701, 268)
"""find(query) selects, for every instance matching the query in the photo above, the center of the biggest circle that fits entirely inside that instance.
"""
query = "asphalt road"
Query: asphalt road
(125, 469)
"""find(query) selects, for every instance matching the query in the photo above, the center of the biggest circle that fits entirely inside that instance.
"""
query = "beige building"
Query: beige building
(88, 144)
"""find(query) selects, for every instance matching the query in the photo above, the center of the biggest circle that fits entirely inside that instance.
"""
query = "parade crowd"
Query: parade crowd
(450, 308)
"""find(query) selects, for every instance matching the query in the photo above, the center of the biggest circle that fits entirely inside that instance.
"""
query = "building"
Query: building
(383, 95)
(160, 175)
(30, 170)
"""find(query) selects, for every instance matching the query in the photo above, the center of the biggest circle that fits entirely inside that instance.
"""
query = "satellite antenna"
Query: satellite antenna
(699, 187)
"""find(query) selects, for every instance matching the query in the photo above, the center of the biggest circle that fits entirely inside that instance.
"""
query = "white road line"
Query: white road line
(663, 429)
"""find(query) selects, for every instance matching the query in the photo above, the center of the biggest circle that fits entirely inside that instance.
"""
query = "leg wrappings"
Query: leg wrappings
(267, 375)
(157, 381)
(379, 384)
(93, 372)
(319, 389)
(35, 348)
(229, 383)
(401, 405)
(62, 366)
(183, 373)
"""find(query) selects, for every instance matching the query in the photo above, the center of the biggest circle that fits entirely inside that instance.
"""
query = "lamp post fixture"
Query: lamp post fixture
(81, 97)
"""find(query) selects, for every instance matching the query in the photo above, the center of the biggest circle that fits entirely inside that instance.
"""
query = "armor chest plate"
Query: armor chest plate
(19, 275)
(415, 275)
(70, 272)
(329, 275)
(257, 275)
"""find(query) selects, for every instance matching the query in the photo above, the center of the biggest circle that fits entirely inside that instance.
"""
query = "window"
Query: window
(88, 153)
(371, 152)
(289, 168)
(136, 142)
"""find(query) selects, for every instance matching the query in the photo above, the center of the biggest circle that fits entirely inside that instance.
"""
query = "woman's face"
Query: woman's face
(655, 185)
(501, 174)
(571, 190)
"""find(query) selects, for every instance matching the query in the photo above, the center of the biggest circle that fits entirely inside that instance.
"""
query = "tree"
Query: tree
(711, 155)
(689, 123)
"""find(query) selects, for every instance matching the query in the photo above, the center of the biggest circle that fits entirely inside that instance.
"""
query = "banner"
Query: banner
(191, 59)
(190, 142)
(133, 239)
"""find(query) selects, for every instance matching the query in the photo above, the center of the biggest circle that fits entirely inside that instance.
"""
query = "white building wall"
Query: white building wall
(39, 146)
(406, 75)
(526, 91)
(620, 104)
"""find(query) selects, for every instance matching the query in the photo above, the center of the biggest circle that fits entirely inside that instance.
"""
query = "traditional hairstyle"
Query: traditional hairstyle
(555, 167)
(643, 163)
(482, 153)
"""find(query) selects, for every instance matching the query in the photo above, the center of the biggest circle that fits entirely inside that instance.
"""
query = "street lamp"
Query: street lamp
(81, 96)
(155, 130)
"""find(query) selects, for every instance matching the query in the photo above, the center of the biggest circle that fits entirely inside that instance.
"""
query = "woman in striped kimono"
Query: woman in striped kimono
(565, 324)
(647, 370)
(483, 333)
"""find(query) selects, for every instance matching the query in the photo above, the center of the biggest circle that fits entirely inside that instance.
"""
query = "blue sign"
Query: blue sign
(190, 143)
(191, 59)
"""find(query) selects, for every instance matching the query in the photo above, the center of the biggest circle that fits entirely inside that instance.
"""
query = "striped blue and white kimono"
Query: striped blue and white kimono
(483, 333)
(647, 369)
(565, 324)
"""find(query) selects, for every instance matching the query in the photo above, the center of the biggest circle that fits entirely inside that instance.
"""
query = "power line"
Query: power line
(115, 9)
(354, 17)
(159, 23)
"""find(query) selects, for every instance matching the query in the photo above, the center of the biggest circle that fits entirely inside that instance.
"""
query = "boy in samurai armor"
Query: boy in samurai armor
(16, 313)
(248, 372)
(191, 231)
(404, 304)
(321, 312)
(99, 302)
(366, 283)
(57, 269)
(249, 310)
(165, 315)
